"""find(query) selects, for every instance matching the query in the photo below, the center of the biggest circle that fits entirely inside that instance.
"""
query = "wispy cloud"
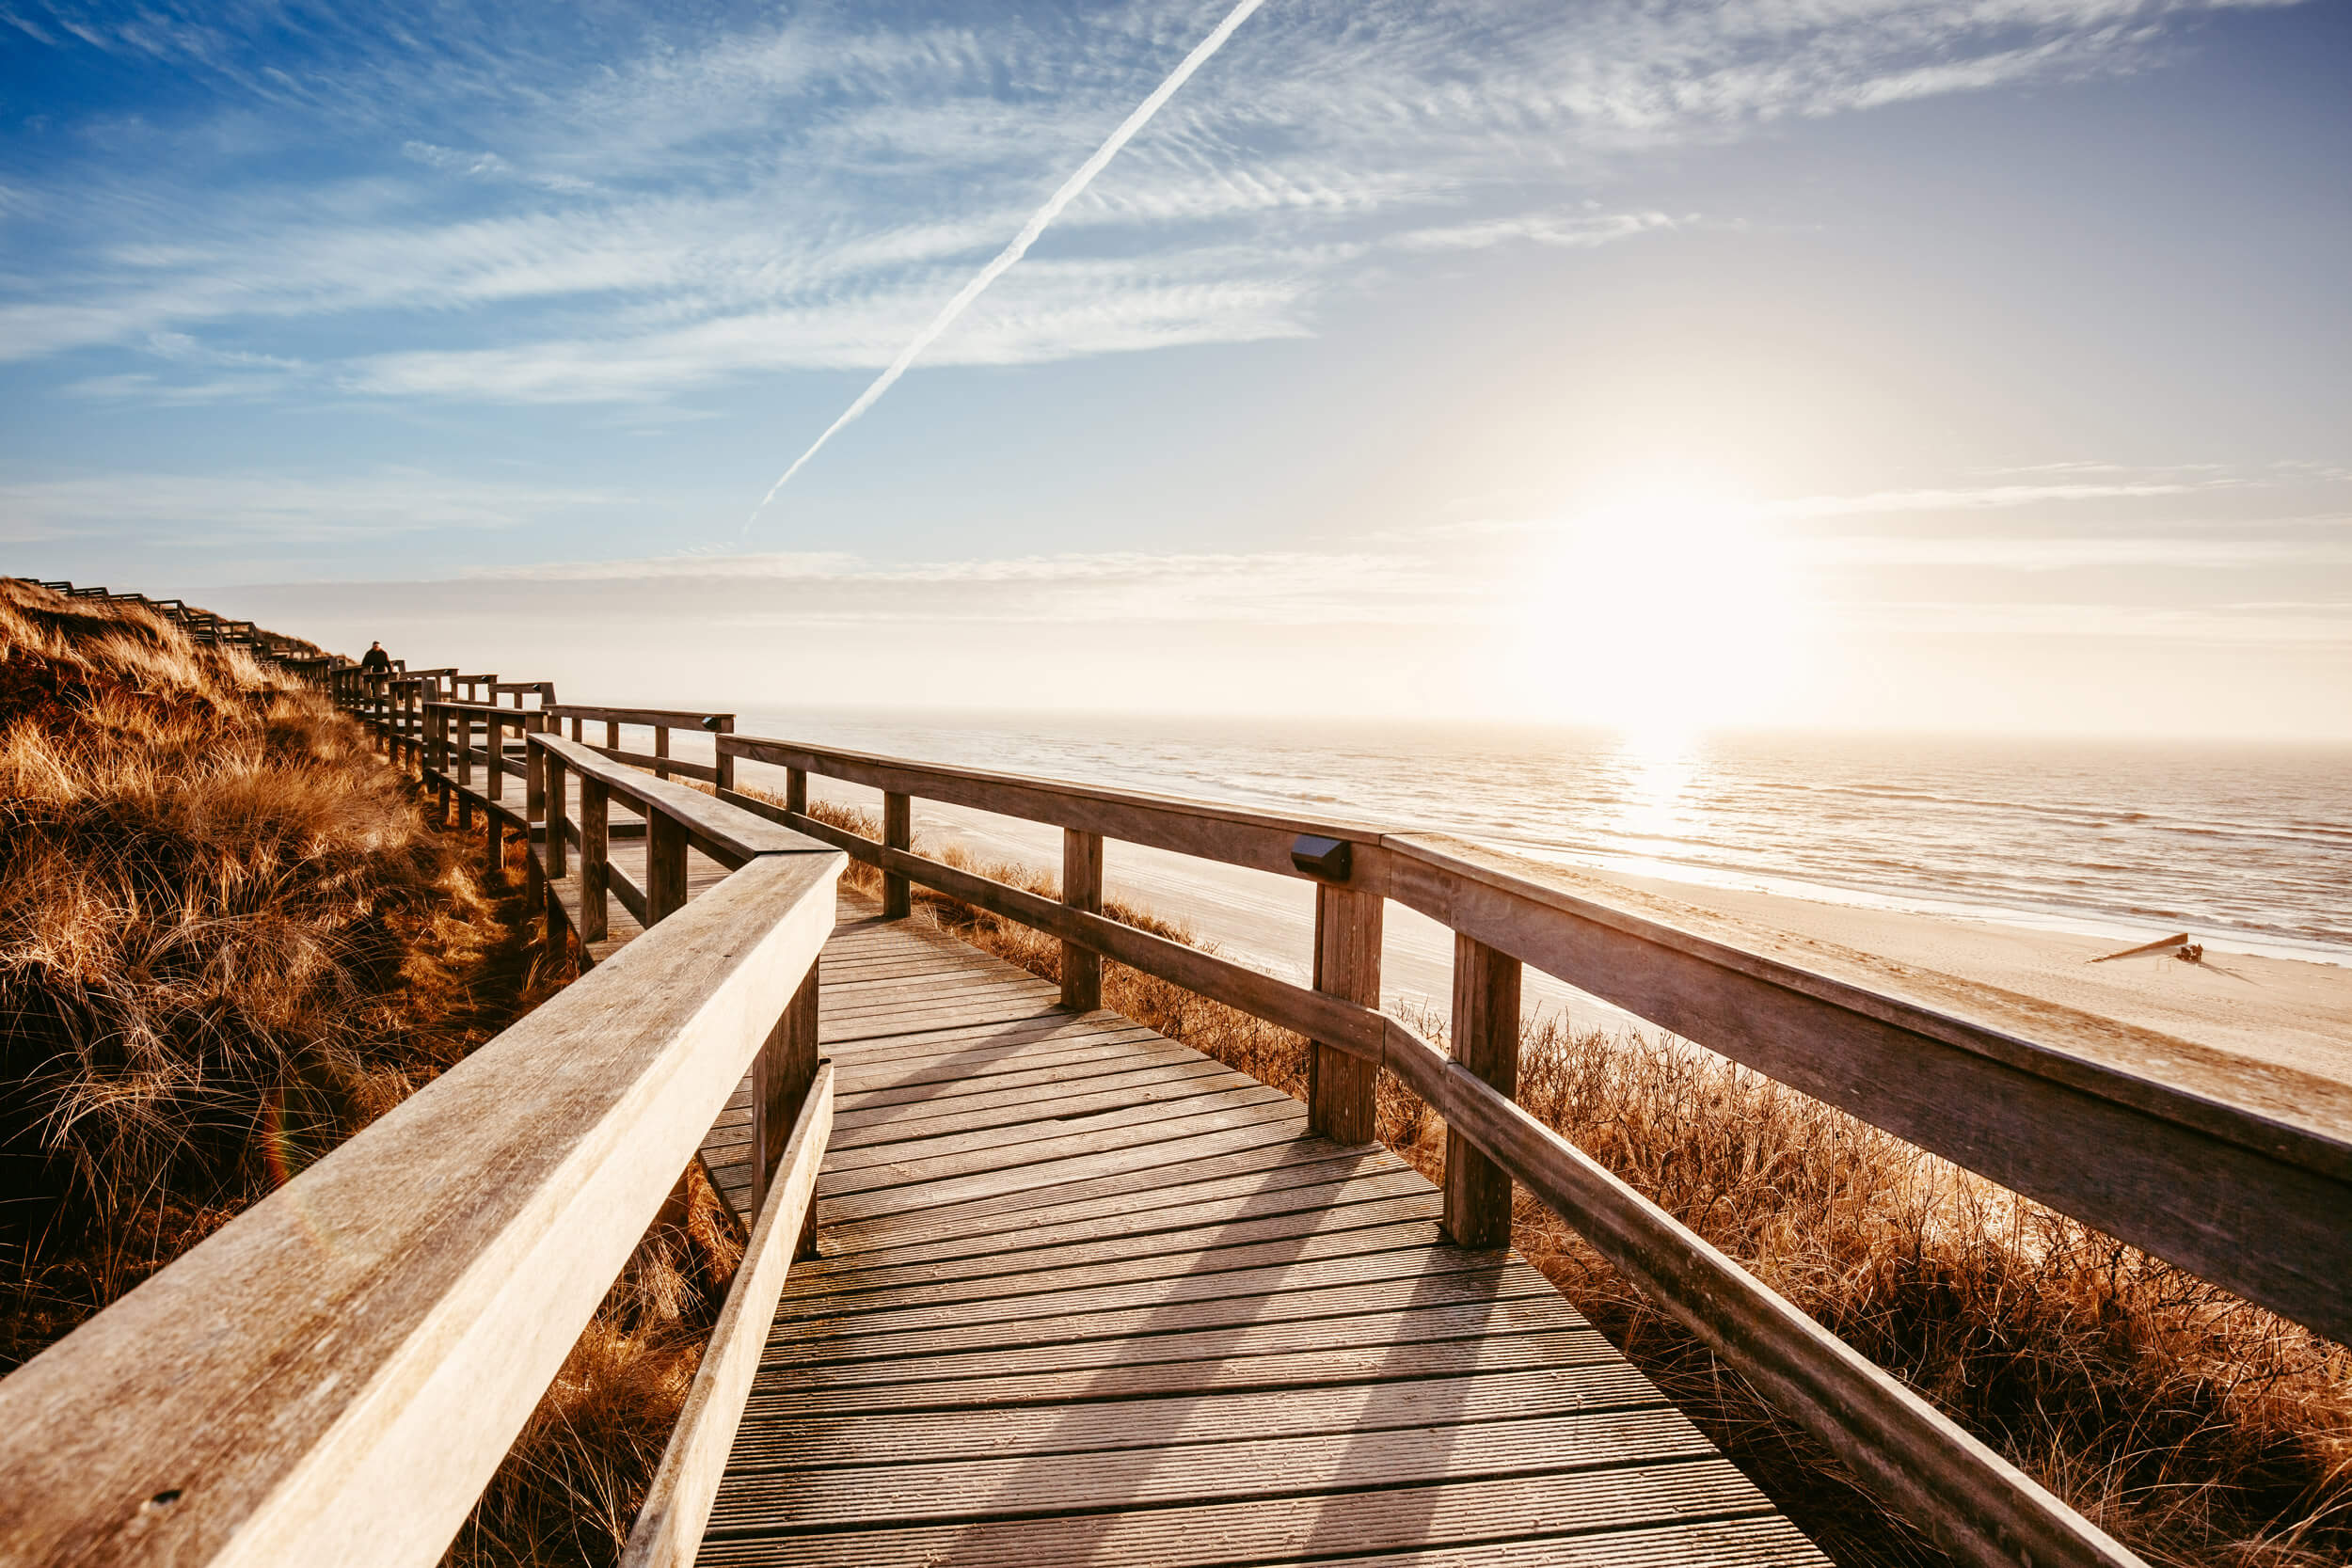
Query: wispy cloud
(631, 214)
(233, 510)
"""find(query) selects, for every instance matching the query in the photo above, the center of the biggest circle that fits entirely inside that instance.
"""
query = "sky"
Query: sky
(1976, 365)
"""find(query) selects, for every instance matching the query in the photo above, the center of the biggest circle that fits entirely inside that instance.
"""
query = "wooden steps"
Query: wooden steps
(1085, 1295)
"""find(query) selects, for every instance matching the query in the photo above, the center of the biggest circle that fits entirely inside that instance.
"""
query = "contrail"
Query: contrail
(1020, 241)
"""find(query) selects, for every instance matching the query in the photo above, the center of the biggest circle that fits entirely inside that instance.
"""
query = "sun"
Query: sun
(1663, 611)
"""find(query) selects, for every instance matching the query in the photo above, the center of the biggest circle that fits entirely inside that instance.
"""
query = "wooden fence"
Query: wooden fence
(334, 1375)
(2239, 1174)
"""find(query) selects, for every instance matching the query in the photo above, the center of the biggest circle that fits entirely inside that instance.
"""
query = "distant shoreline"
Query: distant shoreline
(2293, 1011)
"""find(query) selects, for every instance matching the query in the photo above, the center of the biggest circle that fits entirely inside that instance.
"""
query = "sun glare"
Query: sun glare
(1663, 613)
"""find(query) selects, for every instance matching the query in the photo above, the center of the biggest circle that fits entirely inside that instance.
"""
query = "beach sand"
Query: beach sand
(2277, 1012)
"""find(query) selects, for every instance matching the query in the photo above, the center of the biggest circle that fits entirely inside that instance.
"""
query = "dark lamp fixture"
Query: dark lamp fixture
(1317, 856)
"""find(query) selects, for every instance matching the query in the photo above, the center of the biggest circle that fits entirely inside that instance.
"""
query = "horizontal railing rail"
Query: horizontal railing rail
(334, 1375)
(661, 720)
(2229, 1171)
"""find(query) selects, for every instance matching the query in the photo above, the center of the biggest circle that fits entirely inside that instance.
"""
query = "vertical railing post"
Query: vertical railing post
(1487, 1042)
(612, 735)
(559, 847)
(1081, 889)
(781, 1075)
(665, 865)
(796, 790)
(494, 751)
(464, 718)
(535, 769)
(722, 760)
(898, 833)
(595, 843)
(440, 758)
(660, 749)
(1340, 1088)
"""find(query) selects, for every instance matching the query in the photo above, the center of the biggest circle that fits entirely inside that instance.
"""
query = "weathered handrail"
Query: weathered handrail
(661, 720)
(2250, 1188)
(334, 1375)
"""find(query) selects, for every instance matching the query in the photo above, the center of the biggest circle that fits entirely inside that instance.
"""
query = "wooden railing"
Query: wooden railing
(2238, 1172)
(334, 1375)
(2233, 1172)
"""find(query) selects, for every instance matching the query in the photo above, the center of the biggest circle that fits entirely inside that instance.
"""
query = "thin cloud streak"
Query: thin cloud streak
(1020, 241)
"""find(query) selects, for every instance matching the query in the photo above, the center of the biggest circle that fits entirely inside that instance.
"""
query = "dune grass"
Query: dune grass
(2198, 1429)
(231, 935)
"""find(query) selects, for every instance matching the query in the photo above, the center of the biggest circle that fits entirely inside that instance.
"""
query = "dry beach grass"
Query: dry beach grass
(2198, 1429)
(229, 938)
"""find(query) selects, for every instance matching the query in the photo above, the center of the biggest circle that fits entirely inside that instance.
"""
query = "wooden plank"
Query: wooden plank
(677, 1503)
(1376, 1255)
(334, 1374)
(1105, 1426)
(1583, 1502)
(891, 1350)
(1058, 1094)
(965, 1491)
(1366, 1353)
(1052, 1160)
(1325, 1223)
(1216, 1214)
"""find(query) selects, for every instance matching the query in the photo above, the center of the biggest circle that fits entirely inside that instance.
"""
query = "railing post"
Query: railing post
(1081, 889)
(559, 849)
(1487, 1042)
(660, 749)
(494, 750)
(898, 833)
(534, 770)
(594, 820)
(1340, 1086)
(781, 1075)
(440, 759)
(465, 745)
(665, 865)
(796, 790)
(724, 761)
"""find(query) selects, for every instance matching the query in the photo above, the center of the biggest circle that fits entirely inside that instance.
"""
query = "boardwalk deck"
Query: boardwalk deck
(1085, 1295)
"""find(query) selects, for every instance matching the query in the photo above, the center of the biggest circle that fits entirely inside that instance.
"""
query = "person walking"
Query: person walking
(376, 661)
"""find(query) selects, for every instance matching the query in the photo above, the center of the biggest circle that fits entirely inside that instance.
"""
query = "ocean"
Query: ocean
(2248, 848)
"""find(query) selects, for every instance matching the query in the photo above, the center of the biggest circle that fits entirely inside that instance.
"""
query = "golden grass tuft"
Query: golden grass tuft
(2196, 1428)
(228, 939)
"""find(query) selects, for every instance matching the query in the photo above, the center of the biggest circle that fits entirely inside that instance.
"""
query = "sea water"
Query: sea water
(2247, 848)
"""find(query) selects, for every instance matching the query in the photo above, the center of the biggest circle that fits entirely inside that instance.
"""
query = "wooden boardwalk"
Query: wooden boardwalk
(1085, 1295)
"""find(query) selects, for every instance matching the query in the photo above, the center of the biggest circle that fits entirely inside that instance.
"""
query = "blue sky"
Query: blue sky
(1977, 365)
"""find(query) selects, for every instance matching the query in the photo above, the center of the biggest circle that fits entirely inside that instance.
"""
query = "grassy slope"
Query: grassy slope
(2196, 1428)
(228, 939)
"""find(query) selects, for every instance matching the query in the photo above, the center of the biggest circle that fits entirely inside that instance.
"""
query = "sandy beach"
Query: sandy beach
(2278, 1012)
